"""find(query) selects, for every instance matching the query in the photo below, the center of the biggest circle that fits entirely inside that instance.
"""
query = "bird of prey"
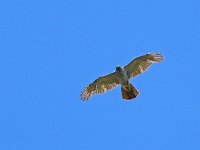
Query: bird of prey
(121, 76)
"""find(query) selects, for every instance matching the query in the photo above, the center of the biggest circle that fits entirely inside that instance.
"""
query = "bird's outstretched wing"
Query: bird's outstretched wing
(100, 85)
(142, 63)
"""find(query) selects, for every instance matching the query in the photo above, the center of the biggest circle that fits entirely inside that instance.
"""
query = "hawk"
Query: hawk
(121, 76)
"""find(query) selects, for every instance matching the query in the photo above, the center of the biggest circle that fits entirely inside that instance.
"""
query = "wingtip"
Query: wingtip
(84, 96)
(157, 55)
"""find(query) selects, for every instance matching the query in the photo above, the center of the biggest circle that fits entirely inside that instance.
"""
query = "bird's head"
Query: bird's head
(118, 68)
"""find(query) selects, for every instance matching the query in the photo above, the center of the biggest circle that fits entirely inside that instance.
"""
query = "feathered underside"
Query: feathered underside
(100, 85)
(108, 82)
(142, 63)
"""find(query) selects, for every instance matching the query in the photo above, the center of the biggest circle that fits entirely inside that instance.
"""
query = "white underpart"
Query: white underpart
(123, 76)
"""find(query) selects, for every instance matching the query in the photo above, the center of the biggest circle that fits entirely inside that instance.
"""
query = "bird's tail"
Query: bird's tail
(128, 91)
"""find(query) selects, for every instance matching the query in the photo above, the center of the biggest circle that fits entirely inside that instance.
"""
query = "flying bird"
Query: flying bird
(121, 77)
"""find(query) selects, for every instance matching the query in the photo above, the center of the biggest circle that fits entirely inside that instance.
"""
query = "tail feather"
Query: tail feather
(128, 91)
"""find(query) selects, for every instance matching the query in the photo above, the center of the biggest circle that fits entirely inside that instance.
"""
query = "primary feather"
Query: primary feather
(122, 76)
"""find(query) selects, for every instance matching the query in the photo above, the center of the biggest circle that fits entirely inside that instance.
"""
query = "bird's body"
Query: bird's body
(121, 76)
(127, 89)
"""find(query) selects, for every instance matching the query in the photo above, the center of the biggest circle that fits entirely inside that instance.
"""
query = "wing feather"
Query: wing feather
(100, 85)
(142, 63)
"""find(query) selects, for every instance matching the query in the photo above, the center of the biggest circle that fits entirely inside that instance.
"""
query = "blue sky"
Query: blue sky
(51, 49)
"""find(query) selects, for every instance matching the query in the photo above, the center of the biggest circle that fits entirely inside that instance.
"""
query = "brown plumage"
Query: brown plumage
(122, 76)
(128, 91)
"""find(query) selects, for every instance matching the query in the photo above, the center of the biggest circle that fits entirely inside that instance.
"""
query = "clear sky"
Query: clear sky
(51, 49)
